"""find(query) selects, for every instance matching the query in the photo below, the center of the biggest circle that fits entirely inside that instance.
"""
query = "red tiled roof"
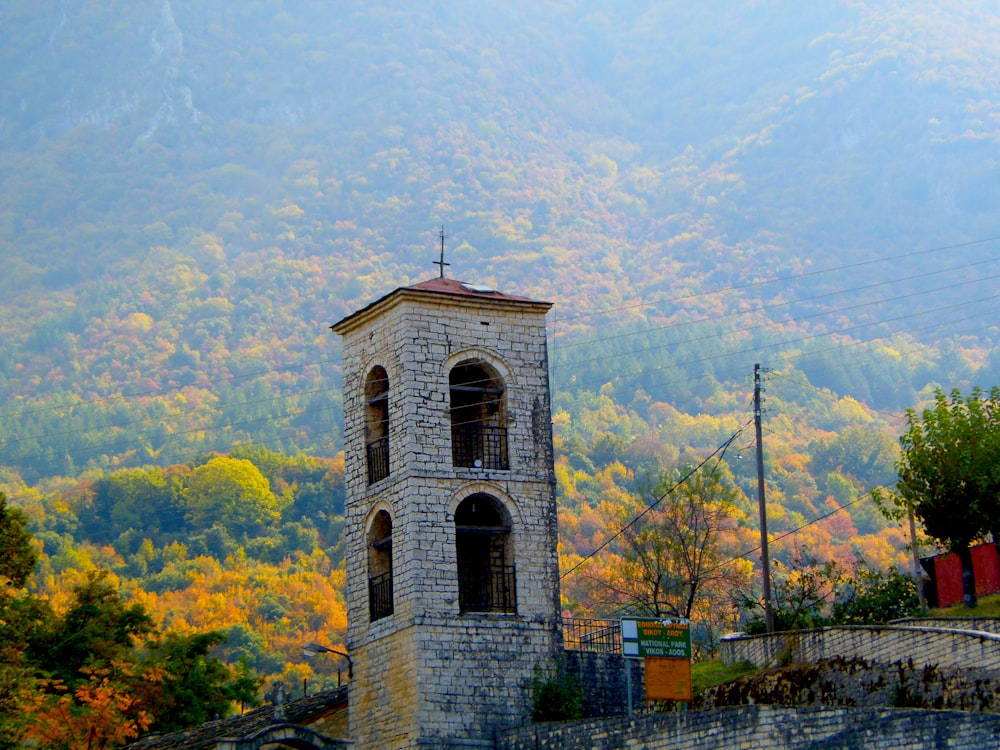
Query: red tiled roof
(464, 288)
(444, 286)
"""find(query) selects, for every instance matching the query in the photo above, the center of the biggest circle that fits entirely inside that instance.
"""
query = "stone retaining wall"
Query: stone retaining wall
(776, 727)
(860, 684)
(984, 624)
(920, 645)
(603, 679)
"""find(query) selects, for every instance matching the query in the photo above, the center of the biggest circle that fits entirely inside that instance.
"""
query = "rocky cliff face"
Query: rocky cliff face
(95, 66)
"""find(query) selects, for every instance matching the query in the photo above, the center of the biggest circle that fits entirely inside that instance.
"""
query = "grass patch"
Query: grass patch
(711, 672)
(988, 606)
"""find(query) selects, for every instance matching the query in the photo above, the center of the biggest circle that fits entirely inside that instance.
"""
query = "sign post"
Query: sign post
(665, 644)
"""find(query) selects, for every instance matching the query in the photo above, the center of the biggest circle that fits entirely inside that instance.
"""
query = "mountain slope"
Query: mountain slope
(191, 194)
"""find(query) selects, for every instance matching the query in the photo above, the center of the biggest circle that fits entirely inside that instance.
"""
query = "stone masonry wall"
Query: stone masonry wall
(417, 344)
(774, 727)
(922, 646)
(984, 624)
(382, 698)
(605, 684)
(476, 677)
(859, 683)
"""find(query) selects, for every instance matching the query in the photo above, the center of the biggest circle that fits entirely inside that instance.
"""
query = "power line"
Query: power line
(195, 454)
(676, 366)
(133, 443)
(787, 342)
(718, 451)
(751, 328)
(769, 324)
(750, 551)
(792, 277)
(240, 376)
(804, 300)
(643, 372)
(205, 410)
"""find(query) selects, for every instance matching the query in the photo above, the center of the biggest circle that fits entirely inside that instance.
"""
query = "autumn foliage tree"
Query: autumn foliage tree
(100, 713)
(675, 555)
(97, 630)
(99, 673)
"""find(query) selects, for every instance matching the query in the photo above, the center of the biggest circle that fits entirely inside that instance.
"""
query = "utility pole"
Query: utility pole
(765, 561)
(918, 577)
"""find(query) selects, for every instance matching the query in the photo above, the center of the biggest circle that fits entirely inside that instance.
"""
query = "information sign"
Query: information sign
(668, 679)
(664, 636)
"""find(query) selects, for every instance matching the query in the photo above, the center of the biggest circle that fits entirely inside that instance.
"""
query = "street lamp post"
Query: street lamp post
(311, 649)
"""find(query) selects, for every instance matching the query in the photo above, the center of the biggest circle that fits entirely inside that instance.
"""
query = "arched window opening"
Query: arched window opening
(485, 554)
(380, 566)
(377, 424)
(478, 417)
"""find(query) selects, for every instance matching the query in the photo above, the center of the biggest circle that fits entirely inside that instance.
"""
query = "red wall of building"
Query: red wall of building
(946, 574)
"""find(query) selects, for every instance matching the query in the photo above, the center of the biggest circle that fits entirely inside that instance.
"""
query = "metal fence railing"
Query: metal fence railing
(378, 460)
(380, 596)
(602, 636)
(487, 588)
(480, 443)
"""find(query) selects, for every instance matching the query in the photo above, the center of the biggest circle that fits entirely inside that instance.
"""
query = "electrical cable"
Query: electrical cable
(792, 277)
(803, 301)
(720, 450)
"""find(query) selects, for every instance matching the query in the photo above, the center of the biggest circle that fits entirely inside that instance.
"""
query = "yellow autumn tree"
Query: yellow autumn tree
(234, 493)
(676, 551)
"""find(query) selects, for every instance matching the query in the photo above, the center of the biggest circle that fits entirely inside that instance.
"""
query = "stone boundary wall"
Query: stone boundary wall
(776, 727)
(983, 624)
(922, 646)
(604, 682)
(860, 684)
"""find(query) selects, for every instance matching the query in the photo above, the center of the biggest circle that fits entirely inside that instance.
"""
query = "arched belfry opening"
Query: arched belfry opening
(377, 424)
(380, 567)
(478, 417)
(484, 552)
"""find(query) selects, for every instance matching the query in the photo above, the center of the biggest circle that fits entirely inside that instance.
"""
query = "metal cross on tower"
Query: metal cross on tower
(440, 263)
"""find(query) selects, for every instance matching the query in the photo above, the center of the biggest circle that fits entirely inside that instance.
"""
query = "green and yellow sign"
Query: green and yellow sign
(664, 636)
(665, 645)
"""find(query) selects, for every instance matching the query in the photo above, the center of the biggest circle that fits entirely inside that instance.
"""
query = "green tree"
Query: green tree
(802, 595)
(100, 671)
(861, 453)
(556, 696)
(949, 473)
(196, 686)
(19, 558)
(233, 492)
(147, 500)
(98, 629)
(22, 618)
(873, 597)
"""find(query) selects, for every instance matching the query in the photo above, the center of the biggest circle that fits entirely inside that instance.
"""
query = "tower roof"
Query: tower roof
(444, 289)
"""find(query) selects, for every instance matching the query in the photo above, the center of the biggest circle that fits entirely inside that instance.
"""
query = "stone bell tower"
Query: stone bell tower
(452, 568)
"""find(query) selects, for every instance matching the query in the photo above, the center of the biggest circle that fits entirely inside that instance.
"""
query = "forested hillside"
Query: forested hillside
(193, 192)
